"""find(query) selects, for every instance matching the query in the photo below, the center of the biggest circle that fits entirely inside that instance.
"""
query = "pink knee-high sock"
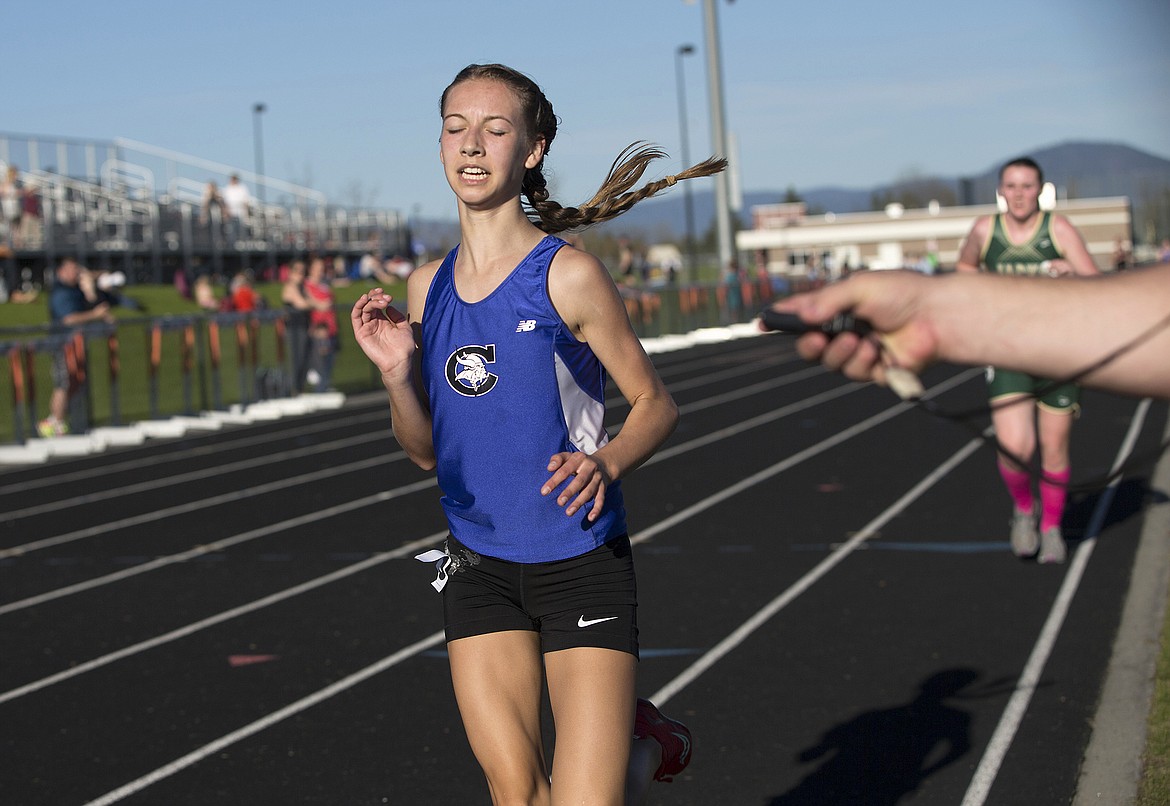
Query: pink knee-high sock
(1019, 485)
(1053, 493)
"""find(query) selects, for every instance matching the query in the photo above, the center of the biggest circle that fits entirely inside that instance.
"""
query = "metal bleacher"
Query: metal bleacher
(137, 208)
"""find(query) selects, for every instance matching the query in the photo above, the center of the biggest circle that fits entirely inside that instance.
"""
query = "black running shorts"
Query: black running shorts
(590, 600)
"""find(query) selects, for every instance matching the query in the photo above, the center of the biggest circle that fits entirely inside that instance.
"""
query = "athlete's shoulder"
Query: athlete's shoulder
(1061, 224)
(983, 225)
(975, 244)
(572, 266)
(418, 285)
(578, 282)
(421, 277)
(570, 257)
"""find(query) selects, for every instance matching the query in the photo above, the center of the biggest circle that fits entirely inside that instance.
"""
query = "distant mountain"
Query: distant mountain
(1089, 170)
(1078, 169)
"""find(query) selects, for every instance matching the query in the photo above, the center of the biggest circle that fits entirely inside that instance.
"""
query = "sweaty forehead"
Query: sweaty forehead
(481, 99)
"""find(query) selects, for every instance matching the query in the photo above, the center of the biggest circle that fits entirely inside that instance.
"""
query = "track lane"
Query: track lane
(730, 556)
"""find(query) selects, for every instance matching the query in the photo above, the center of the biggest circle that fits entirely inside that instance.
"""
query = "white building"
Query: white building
(788, 241)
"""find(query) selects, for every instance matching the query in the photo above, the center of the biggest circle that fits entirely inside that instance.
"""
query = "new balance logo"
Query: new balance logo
(526, 326)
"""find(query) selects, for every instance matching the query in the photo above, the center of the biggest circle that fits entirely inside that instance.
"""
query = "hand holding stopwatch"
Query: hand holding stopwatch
(791, 323)
(904, 383)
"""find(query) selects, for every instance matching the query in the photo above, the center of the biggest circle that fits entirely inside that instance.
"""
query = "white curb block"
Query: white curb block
(38, 451)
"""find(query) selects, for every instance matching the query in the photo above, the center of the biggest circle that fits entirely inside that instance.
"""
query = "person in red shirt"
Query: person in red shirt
(243, 295)
(322, 326)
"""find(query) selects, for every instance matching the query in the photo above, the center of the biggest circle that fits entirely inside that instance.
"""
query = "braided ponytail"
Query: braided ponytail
(614, 196)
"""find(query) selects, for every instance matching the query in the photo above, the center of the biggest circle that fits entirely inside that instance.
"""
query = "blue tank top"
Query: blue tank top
(510, 386)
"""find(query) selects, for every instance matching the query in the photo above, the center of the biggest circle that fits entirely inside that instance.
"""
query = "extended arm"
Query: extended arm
(98, 313)
(1054, 328)
(588, 301)
(390, 340)
(292, 295)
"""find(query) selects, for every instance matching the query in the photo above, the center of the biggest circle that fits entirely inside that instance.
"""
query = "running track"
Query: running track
(827, 598)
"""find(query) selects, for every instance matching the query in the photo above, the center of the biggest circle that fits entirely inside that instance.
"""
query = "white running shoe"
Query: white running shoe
(1052, 548)
(1025, 540)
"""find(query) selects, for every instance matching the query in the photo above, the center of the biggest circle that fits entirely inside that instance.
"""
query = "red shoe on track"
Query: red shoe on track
(674, 736)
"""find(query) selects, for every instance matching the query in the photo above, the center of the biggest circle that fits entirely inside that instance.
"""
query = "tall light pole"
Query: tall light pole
(257, 111)
(683, 126)
(718, 134)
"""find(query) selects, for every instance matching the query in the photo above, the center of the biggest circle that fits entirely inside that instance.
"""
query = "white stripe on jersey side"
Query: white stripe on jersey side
(584, 415)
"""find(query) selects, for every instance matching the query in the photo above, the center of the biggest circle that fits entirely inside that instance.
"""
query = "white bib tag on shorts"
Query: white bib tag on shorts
(442, 563)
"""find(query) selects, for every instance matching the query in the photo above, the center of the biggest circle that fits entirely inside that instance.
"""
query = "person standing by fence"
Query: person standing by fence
(71, 303)
(297, 310)
(237, 200)
(12, 205)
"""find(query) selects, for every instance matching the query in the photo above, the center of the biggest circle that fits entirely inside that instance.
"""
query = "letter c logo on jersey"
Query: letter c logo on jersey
(467, 371)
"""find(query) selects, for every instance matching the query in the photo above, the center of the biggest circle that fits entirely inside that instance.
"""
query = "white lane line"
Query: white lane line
(756, 388)
(708, 378)
(182, 509)
(1112, 765)
(792, 408)
(646, 534)
(218, 545)
(1013, 715)
(323, 694)
(271, 719)
(705, 378)
(195, 506)
(741, 633)
(780, 467)
(194, 475)
(245, 439)
(310, 450)
(321, 514)
(405, 550)
(222, 544)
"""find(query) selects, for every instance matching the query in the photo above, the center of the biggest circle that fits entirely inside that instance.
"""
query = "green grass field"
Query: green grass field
(124, 385)
(138, 393)
(1155, 784)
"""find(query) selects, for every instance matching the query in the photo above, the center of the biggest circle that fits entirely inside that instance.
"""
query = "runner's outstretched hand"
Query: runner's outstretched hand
(383, 333)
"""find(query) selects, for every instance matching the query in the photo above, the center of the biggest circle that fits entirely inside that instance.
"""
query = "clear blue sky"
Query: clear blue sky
(817, 93)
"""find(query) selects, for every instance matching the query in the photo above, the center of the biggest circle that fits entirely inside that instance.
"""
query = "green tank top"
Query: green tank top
(1004, 257)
